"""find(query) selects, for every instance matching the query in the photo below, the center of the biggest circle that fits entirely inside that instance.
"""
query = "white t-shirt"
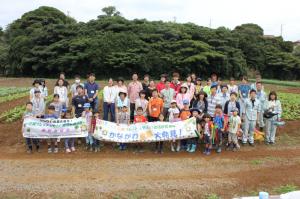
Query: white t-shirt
(234, 122)
(171, 113)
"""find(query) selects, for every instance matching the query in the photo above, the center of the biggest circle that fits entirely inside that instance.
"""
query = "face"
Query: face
(120, 83)
(79, 90)
(244, 81)
(195, 113)
(152, 83)
(124, 109)
(201, 96)
(208, 82)
(92, 78)
(213, 90)
(233, 97)
(218, 110)
(232, 82)
(214, 77)
(51, 111)
(36, 85)
(29, 107)
(224, 89)
(252, 95)
(167, 84)
(206, 119)
(134, 77)
(193, 76)
(259, 87)
(162, 79)
(110, 82)
(235, 113)
(77, 80)
(272, 97)
(183, 90)
(161, 118)
(142, 95)
(60, 82)
(56, 99)
(96, 115)
(37, 95)
(189, 79)
(175, 78)
(122, 96)
(154, 94)
(186, 106)
(176, 115)
(173, 105)
(198, 82)
(146, 79)
(140, 112)
(62, 76)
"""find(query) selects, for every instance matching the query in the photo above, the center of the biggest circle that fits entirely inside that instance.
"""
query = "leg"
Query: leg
(251, 131)
(273, 133)
(67, 143)
(246, 130)
(268, 131)
(112, 112)
(261, 120)
(105, 111)
(28, 144)
(132, 107)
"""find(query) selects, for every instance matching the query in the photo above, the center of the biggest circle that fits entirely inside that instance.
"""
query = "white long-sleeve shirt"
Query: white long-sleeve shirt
(110, 94)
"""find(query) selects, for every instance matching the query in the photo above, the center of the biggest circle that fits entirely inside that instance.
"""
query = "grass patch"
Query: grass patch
(256, 162)
(285, 189)
(279, 82)
(287, 140)
(212, 196)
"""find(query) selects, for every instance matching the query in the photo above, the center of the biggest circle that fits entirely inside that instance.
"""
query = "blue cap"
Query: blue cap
(64, 110)
(185, 102)
(87, 105)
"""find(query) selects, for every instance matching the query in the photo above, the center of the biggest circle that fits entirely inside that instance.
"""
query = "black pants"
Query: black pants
(132, 108)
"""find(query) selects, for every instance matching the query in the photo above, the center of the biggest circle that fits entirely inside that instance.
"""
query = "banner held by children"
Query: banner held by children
(145, 132)
(54, 128)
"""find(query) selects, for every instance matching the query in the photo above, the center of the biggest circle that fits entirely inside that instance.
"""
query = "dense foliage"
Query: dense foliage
(45, 41)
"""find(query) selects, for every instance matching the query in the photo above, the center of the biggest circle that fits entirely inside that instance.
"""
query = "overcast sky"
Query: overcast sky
(269, 14)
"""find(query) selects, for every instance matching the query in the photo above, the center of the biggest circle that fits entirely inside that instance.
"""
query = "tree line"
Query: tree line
(45, 41)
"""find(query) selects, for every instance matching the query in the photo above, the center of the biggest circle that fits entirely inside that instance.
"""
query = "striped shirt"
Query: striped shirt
(212, 102)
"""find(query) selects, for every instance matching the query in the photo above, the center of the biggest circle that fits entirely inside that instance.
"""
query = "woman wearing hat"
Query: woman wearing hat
(121, 101)
(182, 95)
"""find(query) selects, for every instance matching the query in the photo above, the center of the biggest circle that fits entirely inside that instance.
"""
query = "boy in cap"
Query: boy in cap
(234, 128)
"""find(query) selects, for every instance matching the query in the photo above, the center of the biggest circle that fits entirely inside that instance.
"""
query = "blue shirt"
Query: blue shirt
(244, 89)
(219, 120)
(91, 89)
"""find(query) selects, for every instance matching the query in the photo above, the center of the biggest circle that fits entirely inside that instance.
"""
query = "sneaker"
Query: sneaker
(205, 151)
(38, 149)
(49, 150)
(72, 149)
(68, 150)
(219, 150)
(208, 152)
(178, 148)
(172, 148)
(193, 148)
(188, 148)
(267, 143)
(55, 150)
(234, 149)
(91, 149)
(29, 151)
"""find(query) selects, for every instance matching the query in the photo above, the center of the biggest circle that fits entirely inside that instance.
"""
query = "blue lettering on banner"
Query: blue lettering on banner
(135, 136)
(127, 136)
(173, 134)
(111, 135)
(165, 135)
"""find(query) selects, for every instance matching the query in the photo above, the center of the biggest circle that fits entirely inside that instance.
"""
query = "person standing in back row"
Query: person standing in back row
(91, 89)
(134, 89)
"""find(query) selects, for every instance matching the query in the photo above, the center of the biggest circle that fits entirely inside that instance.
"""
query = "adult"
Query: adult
(167, 94)
(183, 95)
(231, 105)
(175, 84)
(134, 89)
(146, 82)
(162, 84)
(261, 97)
(120, 85)
(78, 101)
(141, 102)
(224, 95)
(214, 79)
(194, 78)
(63, 77)
(62, 91)
(74, 85)
(257, 79)
(198, 86)
(201, 102)
(251, 116)
(207, 87)
(149, 89)
(232, 87)
(190, 85)
(109, 98)
(219, 85)
(273, 105)
(244, 89)
(212, 100)
(91, 89)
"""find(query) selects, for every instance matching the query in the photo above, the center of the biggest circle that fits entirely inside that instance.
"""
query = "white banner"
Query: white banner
(145, 132)
(54, 128)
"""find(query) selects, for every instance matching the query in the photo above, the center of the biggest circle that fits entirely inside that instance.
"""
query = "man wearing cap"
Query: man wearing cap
(162, 84)
(78, 101)
(251, 116)
(167, 94)
(91, 89)
(134, 89)
(224, 95)
(212, 100)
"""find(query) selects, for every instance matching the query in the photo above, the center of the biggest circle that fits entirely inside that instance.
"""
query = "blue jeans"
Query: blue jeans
(109, 108)
(95, 104)
(69, 142)
(89, 139)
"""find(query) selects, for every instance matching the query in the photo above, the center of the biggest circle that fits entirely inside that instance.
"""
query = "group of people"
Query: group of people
(224, 113)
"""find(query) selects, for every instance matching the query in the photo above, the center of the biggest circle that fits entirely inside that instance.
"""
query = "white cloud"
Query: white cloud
(269, 14)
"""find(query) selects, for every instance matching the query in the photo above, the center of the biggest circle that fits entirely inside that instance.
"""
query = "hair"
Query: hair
(244, 78)
(252, 91)
(29, 103)
(272, 93)
(206, 115)
(60, 79)
(79, 86)
(142, 92)
(176, 74)
(140, 108)
(232, 79)
(219, 106)
(146, 75)
(224, 85)
(62, 73)
(208, 79)
(258, 82)
(233, 93)
(186, 89)
(92, 74)
(51, 107)
(56, 95)
(202, 93)
(76, 76)
(155, 90)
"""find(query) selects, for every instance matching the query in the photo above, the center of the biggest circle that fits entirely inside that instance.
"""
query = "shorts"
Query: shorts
(232, 137)
(207, 139)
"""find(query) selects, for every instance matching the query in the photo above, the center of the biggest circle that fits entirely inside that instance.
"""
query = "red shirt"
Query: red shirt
(94, 124)
(160, 86)
(139, 118)
(176, 87)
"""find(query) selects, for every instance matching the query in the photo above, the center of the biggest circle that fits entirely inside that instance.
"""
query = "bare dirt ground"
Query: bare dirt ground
(114, 174)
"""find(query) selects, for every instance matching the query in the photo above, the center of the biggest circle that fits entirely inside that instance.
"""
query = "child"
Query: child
(156, 106)
(69, 142)
(219, 122)
(62, 91)
(51, 115)
(198, 86)
(175, 144)
(206, 88)
(38, 103)
(58, 105)
(207, 134)
(94, 121)
(173, 108)
(29, 141)
(234, 128)
(192, 143)
(184, 115)
(139, 118)
(159, 144)
(87, 114)
(123, 117)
